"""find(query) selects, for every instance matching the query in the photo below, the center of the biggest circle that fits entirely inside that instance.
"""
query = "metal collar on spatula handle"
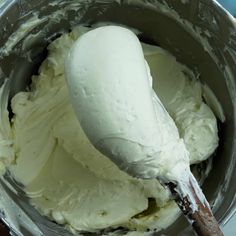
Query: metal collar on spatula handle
(201, 218)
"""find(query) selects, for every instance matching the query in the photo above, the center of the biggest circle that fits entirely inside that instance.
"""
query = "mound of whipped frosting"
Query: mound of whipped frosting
(71, 182)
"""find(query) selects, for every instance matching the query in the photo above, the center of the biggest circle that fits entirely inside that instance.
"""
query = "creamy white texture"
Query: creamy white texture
(6, 135)
(182, 97)
(65, 176)
(110, 89)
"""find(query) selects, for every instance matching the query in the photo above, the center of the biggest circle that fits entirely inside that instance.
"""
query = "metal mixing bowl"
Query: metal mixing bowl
(198, 32)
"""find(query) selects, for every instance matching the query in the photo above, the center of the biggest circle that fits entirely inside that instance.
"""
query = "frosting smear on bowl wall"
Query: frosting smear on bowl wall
(71, 182)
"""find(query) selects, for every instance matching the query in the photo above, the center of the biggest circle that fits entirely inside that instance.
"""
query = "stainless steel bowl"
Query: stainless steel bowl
(198, 32)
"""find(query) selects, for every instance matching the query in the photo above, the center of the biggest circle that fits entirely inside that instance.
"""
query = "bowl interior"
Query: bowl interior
(156, 26)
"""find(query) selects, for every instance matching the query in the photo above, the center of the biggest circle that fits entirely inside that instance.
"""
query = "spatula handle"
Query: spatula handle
(202, 219)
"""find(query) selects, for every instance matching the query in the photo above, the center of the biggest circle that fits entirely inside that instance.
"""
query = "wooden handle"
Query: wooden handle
(202, 220)
(4, 231)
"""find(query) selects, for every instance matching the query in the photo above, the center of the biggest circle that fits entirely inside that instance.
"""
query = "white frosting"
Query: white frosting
(6, 135)
(182, 97)
(57, 69)
(113, 98)
(65, 176)
(213, 102)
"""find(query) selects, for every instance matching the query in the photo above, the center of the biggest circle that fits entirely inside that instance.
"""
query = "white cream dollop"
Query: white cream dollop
(182, 95)
(110, 87)
(66, 178)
